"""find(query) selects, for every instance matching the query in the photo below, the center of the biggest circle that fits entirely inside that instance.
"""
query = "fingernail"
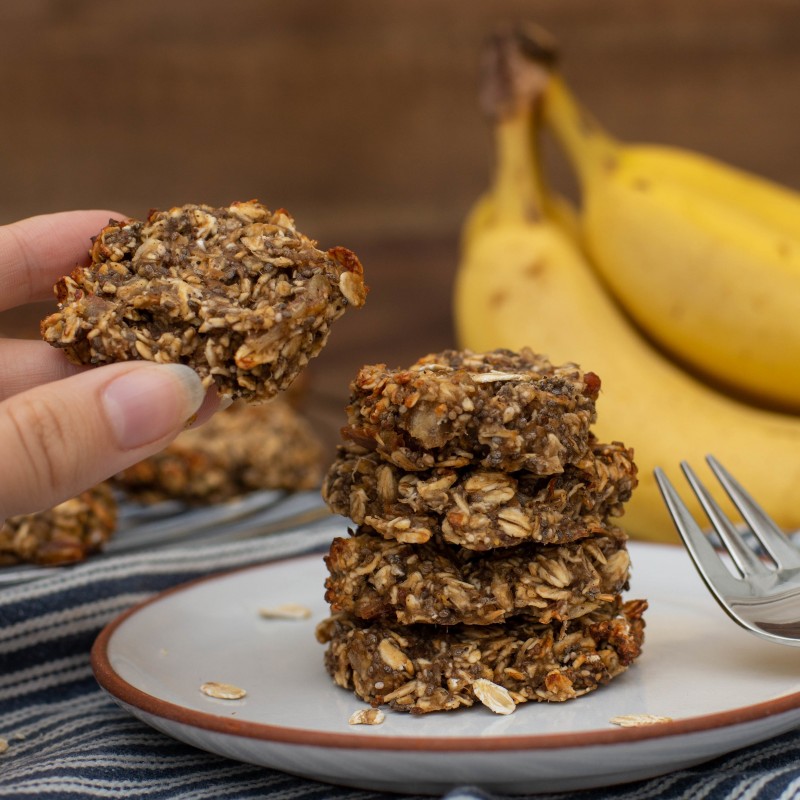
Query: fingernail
(225, 401)
(151, 402)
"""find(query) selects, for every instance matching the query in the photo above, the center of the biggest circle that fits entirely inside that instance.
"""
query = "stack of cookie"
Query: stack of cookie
(485, 565)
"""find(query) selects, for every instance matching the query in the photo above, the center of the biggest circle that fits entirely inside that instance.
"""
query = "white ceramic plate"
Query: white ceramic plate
(722, 687)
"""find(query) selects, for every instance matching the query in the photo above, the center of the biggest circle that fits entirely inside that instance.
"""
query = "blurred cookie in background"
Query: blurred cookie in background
(242, 449)
(66, 533)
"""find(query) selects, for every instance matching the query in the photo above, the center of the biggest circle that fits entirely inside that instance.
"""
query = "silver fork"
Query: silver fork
(762, 590)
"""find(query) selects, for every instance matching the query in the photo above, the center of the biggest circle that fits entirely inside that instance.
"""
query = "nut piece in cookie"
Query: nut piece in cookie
(66, 533)
(236, 293)
(242, 449)
(502, 410)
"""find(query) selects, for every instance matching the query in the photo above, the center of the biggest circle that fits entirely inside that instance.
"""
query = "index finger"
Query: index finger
(36, 252)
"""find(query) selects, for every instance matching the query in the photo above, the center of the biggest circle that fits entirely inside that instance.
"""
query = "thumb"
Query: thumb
(62, 437)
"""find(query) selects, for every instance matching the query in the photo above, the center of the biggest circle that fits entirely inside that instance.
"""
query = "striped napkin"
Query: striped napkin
(62, 737)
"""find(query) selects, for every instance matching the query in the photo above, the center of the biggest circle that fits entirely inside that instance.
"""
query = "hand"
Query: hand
(65, 428)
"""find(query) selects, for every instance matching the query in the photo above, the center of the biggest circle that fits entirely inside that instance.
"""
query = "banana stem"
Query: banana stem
(588, 146)
(514, 81)
(518, 67)
(517, 189)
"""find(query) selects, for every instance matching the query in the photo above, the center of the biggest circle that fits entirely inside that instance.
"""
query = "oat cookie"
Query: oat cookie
(503, 410)
(239, 450)
(236, 293)
(479, 508)
(68, 532)
(421, 668)
(436, 583)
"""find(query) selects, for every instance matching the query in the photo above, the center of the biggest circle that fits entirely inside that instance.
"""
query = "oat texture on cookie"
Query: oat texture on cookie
(424, 668)
(441, 584)
(479, 508)
(237, 293)
(503, 410)
(487, 563)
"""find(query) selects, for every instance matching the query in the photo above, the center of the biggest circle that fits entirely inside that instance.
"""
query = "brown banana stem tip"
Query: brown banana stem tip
(515, 66)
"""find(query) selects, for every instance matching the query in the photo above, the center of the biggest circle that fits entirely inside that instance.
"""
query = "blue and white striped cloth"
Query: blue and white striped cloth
(67, 739)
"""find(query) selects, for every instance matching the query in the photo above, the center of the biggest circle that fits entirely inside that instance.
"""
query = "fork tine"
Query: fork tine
(715, 574)
(775, 542)
(746, 561)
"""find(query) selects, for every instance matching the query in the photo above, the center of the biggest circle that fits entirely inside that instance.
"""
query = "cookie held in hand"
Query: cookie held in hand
(236, 293)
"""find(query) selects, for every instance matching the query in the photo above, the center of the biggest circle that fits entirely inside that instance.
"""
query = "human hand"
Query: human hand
(64, 428)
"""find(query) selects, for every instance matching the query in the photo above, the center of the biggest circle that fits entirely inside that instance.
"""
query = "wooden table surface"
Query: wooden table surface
(362, 119)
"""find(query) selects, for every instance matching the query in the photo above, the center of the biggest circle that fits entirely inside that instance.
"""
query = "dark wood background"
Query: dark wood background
(361, 118)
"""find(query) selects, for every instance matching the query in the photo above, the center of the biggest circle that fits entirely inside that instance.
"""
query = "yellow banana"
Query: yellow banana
(523, 282)
(705, 258)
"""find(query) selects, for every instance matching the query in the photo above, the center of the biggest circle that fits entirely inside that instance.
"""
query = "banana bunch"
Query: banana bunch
(524, 280)
(705, 258)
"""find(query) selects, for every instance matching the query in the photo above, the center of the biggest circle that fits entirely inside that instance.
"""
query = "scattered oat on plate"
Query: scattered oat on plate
(237, 293)
(367, 716)
(495, 697)
(286, 611)
(223, 691)
(638, 720)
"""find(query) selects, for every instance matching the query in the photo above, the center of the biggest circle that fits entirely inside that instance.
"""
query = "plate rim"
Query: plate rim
(120, 689)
